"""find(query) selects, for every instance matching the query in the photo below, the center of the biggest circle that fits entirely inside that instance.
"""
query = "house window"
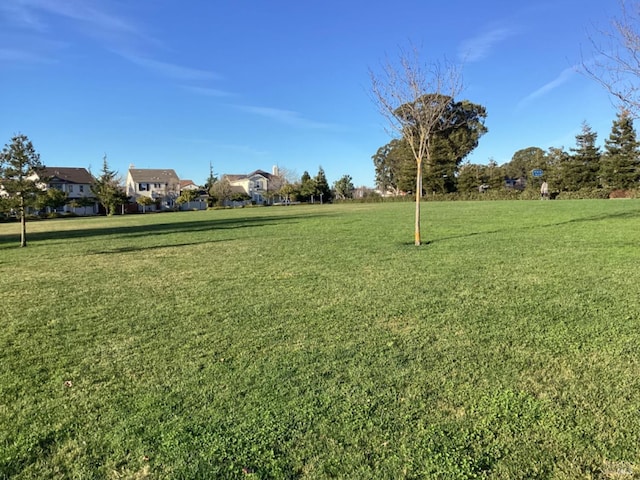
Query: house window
(156, 185)
(81, 187)
(70, 188)
(142, 187)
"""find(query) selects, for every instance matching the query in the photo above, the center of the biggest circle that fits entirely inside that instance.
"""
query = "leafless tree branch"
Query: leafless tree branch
(414, 98)
(616, 61)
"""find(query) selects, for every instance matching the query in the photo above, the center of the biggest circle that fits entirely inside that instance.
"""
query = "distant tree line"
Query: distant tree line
(290, 188)
(584, 168)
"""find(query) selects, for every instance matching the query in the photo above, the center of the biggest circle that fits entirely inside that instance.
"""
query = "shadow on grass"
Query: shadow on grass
(132, 231)
(593, 218)
(151, 247)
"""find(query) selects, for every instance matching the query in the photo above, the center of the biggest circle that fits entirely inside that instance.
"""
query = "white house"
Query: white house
(161, 185)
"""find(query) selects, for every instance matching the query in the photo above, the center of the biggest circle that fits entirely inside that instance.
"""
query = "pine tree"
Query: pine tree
(620, 167)
(582, 171)
(307, 187)
(322, 186)
(107, 188)
(20, 178)
(559, 164)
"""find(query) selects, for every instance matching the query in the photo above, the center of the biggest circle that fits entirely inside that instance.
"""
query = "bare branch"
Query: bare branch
(415, 99)
(616, 62)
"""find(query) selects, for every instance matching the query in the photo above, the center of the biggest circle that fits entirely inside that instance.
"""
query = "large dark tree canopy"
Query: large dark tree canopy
(461, 133)
(523, 162)
(417, 113)
(457, 134)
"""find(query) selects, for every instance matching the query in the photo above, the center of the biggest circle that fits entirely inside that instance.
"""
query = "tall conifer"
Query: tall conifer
(620, 168)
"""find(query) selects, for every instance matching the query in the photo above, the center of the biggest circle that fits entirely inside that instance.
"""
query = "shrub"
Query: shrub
(585, 193)
(622, 194)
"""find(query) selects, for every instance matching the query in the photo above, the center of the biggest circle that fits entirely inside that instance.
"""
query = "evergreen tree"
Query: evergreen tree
(620, 166)
(20, 178)
(585, 162)
(322, 186)
(470, 177)
(52, 199)
(523, 163)
(307, 186)
(558, 169)
(494, 175)
(211, 181)
(344, 188)
(107, 189)
(389, 162)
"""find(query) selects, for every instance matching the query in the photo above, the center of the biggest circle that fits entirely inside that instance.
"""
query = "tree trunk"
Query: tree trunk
(23, 224)
(418, 195)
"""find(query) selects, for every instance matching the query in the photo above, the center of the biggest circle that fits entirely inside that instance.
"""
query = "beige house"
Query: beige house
(188, 185)
(259, 186)
(200, 202)
(161, 185)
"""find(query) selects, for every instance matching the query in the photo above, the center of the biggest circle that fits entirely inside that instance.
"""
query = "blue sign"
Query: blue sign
(537, 172)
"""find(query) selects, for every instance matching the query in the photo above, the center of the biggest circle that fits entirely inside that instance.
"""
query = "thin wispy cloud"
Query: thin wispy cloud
(22, 56)
(51, 21)
(561, 79)
(242, 149)
(15, 14)
(287, 117)
(91, 13)
(207, 92)
(93, 19)
(171, 70)
(478, 48)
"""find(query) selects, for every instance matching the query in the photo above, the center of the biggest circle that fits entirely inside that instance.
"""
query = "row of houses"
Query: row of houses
(163, 186)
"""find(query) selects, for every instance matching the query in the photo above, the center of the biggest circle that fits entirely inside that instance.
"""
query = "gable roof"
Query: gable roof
(187, 183)
(232, 177)
(68, 174)
(235, 177)
(153, 175)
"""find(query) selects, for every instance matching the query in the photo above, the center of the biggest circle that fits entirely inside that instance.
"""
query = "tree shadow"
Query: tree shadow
(592, 218)
(166, 228)
(129, 249)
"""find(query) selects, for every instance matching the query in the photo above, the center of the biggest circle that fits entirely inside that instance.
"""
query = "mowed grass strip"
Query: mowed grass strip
(318, 342)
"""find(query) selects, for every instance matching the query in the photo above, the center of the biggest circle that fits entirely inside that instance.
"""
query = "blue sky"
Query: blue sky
(247, 85)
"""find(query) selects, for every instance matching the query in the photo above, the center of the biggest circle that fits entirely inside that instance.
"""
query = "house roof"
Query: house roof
(68, 174)
(267, 175)
(187, 183)
(152, 175)
(233, 177)
(237, 189)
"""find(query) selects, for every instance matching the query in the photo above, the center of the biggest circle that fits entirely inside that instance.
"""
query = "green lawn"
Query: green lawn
(318, 342)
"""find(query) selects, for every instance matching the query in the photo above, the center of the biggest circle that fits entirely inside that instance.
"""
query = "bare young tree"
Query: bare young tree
(616, 61)
(415, 99)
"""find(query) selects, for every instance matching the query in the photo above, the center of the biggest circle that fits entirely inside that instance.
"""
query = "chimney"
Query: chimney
(274, 171)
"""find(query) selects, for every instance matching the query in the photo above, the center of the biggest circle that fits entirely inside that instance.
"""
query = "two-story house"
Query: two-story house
(259, 185)
(76, 183)
(161, 185)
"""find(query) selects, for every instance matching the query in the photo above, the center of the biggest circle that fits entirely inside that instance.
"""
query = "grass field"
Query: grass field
(318, 342)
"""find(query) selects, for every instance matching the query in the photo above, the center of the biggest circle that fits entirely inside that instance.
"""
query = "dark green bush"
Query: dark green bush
(584, 193)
